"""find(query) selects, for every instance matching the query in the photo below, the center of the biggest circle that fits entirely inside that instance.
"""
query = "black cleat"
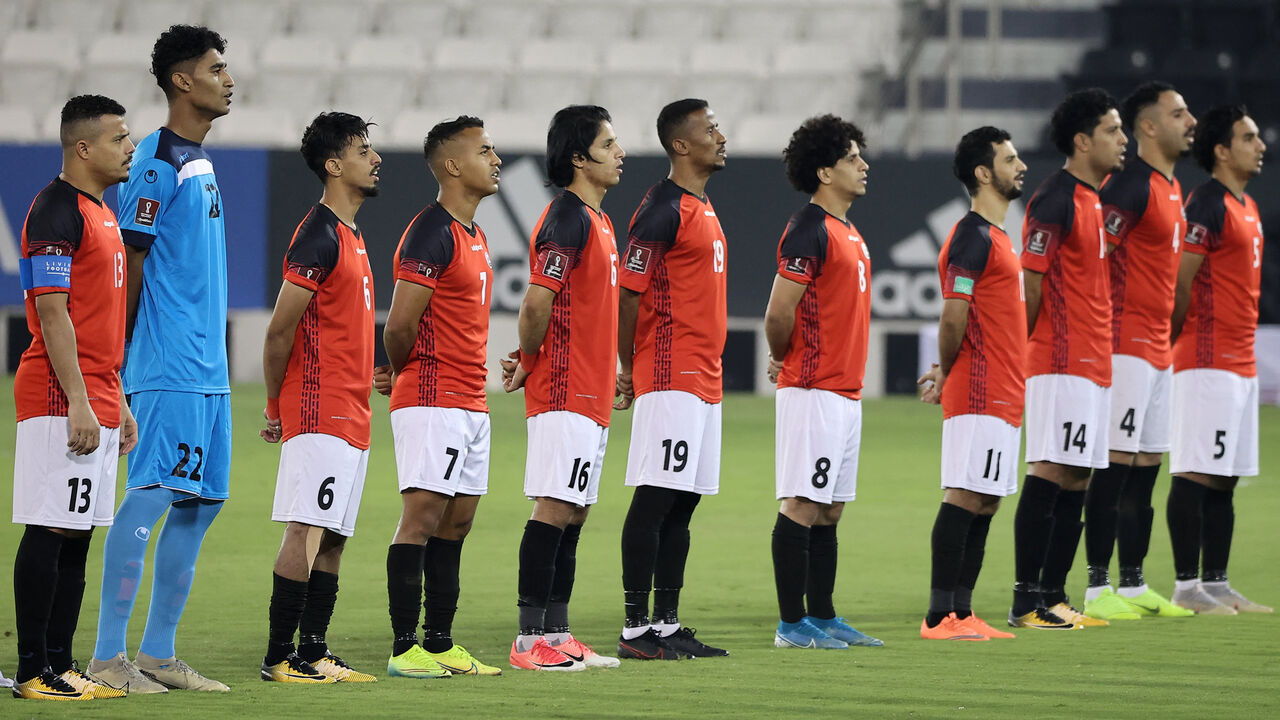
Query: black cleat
(649, 646)
(685, 643)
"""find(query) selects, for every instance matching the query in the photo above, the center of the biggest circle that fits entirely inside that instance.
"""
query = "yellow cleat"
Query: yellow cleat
(1075, 617)
(416, 663)
(47, 686)
(294, 670)
(1040, 619)
(338, 669)
(460, 662)
(76, 678)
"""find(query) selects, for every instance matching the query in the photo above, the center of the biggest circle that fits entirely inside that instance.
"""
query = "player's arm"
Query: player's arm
(1188, 266)
(951, 328)
(291, 303)
(60, 340)
(408, 302)
(134, 259)
(531, 327)
(780, 320)
(1031, 283)
(652, 232)
(628, 311)
(128, 426)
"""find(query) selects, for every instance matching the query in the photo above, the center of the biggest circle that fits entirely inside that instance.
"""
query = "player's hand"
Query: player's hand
(516, 380)
(83, 433)
(384, 378)
(510, 364)
(933, 390)
(775, 369)
(128, 430)
(273, 430)
(624, 392)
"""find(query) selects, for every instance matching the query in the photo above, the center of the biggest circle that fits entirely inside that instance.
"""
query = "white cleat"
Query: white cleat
(121, 674)
(1197, 599)
(175, 674)
(1227, 595)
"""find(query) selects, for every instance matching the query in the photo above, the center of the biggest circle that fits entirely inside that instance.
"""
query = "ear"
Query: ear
(333, 166)
(680, 146)
(824, 176)
(82, 149)
(983, 174)
(1222, 153)
(180, 81)
(578, 160)
(1083, 142)
(451, 167)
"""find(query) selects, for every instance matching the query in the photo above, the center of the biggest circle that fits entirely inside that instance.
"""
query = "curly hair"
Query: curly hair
(571, 133)
(179, 44)
(819, 142)
(81, 108)
(1081, 112)
(976, 150)
(672, 117)
(446, 130)
(1216, 127)
(327, 136)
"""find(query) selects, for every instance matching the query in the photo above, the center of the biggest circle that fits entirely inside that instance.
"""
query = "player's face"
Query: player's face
(1008, 171)
(849, 174)
(1107, 144)
(111, 153)
(478, 161)
(1175, 125)
(706, 142)
(361, 166)
(1247, 148)
(604, 167)
(211, 84)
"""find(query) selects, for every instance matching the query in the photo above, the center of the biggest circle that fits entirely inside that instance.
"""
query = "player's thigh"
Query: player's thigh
(183, 438)
(1246, 458)
(980, 454)
(675, 442)
(1209, 410)
(53, 487)
(817, 438)
(444, 450)
(1139, 415)
(1066, 420)
(565, 452)
(320, 482)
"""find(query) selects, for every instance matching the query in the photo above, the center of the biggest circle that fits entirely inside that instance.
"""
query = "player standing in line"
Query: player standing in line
(318, 363)
(1064, 261)
(816, 324)
(436, 336)
(567, 362)
(671, 330)
(176, 369)
(982, 340)
(1215, 379)
(1144, 223)
(73, 422)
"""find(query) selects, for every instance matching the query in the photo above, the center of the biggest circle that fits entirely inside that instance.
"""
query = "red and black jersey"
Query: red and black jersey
(828, 349)
(676, 259)
(71, 244)
(1063, 240)
(330, 372)
(573, 253)
(1222, 318)
(446, 367)
(978, 265)
(1143, 218)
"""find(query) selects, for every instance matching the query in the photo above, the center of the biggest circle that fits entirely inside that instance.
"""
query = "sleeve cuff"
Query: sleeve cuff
(273, 408)
(527, 361)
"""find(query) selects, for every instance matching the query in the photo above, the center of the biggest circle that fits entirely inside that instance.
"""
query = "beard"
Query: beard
(369, 191)
(1009, 190)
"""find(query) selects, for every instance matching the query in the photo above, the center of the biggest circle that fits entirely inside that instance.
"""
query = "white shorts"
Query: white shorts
(980, 453)
(444, 450)
(1140, 405)
(816, 441)
(675, 442)
(1066, 420)
(1215, 423)
(320, 482)
(53, 487)
(564, 457)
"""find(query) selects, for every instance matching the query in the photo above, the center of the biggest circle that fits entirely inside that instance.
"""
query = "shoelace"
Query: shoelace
(56, 683)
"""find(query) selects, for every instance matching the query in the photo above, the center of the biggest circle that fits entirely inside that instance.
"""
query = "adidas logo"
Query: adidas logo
(508, 219)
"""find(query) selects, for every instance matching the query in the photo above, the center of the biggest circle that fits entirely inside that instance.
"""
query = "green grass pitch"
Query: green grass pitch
(1197, 667)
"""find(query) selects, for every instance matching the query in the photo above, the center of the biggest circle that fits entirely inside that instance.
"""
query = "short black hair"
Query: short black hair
(1080, 112)
(819, 142)
(976, 149)
(327, 136)
(1215, 128)
(443, 131)
(179, 44)
(673, 116)
(1142, 97)
(81, 108)
(572, 131)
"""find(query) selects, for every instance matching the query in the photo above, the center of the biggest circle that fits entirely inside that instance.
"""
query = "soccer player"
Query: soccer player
(176, 369)
(318, 364)
(671, 329)
(1144, 224)
(73, 422)
(436, 335)
(1215, 379)
(816, 323)
(982, 340)
(1064, 263)
(567, 363)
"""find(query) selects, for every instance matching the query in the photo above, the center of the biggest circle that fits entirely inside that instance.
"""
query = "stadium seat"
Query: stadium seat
(1204, 77)
(613, 21)
(18, 124)
(334, 18)
(249, 127)
(465, 72)
(727, 74)
(145, 119)
(810, 79)
(15, 15)
(762, 23)
(119, 66)
(380, 77)
(247, 23)
(871, 25)
(409, 129)
(667, 21)
(295, 73)
(637, 131)
(765, 134)
(504, 21)
(426, 21)
(149, 18)
(1158, 24)
(640, 77)
(517, 132)
(546, 76)
(36, 67)
(84, 18)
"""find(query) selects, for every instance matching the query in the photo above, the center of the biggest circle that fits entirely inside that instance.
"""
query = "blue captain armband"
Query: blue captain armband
(53, 271)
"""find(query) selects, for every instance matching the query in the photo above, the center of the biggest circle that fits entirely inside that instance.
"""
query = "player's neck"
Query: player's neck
(459, 204)
(592, 195)
(188, 123)
(83, 182)
(1233, 181)
(991, 206)
(344, 202)
(1080, 169)
(1156, 159)
(689, 180)
(828, 201)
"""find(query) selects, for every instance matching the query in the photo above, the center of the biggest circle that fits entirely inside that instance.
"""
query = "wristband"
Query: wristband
(527, 361)
(273, 408)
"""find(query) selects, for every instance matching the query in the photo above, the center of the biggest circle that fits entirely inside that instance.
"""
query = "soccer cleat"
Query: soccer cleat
(338, 669)
(950, 628)
(575, 649)
(542, 656)
(1200, 602)
(649, 646)
(1152, 604)
(5, 682)
(460, 662)
(805, 634)
(415, 663)
(47, 686)
(175, 674)
(1068, 612)
(686, 644)
(121, 674)
(981, 627)
(294, 669)
(1110, 606)
(840, 629)
(1040, 619)
(1228, 596)
(76, 678)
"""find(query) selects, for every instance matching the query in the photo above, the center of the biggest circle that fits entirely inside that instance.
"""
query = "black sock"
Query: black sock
(947, 546)
(557, 617)
(790, 567)
(1183, 513)
(673, 552)
(1218, 525)
(1032, 526)
(441, 566)
(35, 583)
(824, 551)
(404, 593)
(65, 613)
(537, 571)
(975, 549)
(1101, 507)
(640, 538)
(288, 598)
(322, 595)
(1133, 526)
(1063, 544)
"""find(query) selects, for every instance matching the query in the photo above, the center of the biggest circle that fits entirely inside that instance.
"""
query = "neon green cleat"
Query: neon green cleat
(460, 662)
(416, 663)
(1153, 604)
(1110, 606)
